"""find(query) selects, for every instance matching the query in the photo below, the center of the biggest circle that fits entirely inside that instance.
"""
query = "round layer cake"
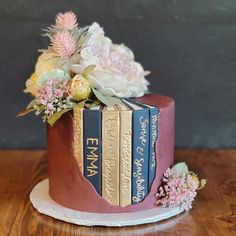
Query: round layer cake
(68, 186)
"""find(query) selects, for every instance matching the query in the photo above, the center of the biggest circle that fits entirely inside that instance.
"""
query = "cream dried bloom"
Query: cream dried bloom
(80, 88)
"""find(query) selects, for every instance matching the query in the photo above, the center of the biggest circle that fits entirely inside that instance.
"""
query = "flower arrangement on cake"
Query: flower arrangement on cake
(81, 66)
(116, 146)
(179, 187)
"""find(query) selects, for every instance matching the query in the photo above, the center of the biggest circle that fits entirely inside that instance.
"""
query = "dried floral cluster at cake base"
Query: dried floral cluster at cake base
(96, 68)
(179, 187)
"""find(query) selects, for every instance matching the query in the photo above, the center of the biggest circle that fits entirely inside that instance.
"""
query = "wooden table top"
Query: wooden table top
(213, 213)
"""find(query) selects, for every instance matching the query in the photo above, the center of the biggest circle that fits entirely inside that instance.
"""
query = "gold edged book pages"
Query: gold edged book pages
(125, 154)
(110, 154)
(78, 137)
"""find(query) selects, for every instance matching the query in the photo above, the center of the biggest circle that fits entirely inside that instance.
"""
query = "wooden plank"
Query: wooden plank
(213, 213)
(20, 171)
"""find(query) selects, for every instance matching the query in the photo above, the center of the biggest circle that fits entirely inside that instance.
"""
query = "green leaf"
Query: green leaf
(94, 103)
(24, 112)
(87, 70)
(80, 104)
(52, 119)
(54, 73)
(180, 168)
(31, 104)
(107, 100)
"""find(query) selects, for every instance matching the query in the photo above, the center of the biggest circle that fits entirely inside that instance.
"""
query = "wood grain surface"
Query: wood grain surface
(213, 213)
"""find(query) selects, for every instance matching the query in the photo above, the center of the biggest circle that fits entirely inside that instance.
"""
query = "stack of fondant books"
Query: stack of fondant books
(115, 149)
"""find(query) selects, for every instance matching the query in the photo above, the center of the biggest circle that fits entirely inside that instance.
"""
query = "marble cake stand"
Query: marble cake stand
(44, 204)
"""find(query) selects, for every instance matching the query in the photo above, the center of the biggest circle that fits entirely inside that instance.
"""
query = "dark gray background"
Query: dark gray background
(189, 45)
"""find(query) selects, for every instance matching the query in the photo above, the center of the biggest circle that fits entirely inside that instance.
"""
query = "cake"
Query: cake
(83, 73)
(68, 187)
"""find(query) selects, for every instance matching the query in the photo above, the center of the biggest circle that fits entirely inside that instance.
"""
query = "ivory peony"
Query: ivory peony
(116, 72)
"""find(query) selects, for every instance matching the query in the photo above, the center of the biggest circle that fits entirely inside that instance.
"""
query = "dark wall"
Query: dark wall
(189, 45)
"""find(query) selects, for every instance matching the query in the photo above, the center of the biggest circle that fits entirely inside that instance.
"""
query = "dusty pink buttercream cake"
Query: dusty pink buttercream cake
(68, 187)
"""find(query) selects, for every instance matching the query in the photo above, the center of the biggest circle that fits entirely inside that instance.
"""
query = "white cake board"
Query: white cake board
(44, 204)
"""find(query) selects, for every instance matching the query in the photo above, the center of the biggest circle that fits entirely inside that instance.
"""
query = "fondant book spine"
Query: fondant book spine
(140, 155)
(125, 157)
(153, 135)
(78, 137)
(93, 147)
(110, 155)
(152, 152)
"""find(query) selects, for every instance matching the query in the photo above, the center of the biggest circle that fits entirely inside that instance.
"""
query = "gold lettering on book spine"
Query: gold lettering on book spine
(125, 157)
(110, 156)
(92, 157)
(78, 137)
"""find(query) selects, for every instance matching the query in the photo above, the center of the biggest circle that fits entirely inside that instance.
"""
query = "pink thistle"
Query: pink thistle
(66, 21)
(64, 44)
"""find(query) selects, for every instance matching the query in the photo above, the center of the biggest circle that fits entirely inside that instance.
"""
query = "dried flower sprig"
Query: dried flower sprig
(66, 21)
(53, 98)
(65, 36)
(64, 44)
(179, 187)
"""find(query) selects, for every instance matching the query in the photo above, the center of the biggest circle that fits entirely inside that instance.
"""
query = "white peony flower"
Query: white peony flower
(116, 72)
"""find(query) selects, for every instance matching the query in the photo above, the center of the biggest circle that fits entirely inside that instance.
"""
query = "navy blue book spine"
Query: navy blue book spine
(153, 137)
(140, 155)
(92, 124)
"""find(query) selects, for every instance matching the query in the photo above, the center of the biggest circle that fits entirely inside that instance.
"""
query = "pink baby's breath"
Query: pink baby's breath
(66, 21)
(53, 96)
(177, 190)
(64, 44)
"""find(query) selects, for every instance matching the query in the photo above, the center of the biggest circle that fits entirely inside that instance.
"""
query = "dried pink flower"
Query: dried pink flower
(64, 44)
(178, 190)
(53, 96)
(66, 21)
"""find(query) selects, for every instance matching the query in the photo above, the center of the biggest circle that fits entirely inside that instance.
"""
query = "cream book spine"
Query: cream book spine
(125, 155)
(78, 137)
(110, 155)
